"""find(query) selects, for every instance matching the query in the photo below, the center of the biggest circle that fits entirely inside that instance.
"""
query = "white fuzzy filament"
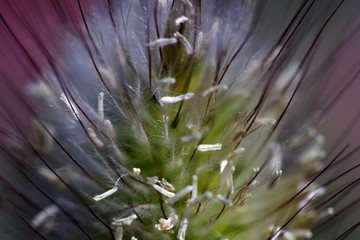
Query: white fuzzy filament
(168, 99)
(163, 191)
(105, 194)
(209, 147)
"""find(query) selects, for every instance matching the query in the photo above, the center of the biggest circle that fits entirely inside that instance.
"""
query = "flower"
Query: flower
(175, 120)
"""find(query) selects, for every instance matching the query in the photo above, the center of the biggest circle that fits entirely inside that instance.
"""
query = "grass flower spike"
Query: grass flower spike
(177, 119)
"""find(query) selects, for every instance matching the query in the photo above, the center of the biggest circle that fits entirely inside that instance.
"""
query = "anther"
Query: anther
(181, 20)
(265, 121)
(186, 44)
(166, 225)
(101, 106)
(94, 138)
(162, 42)
(183, 226)
(136, 171)
(226, 170)
(107, 193)
(199, 199)
(163, 191)
(168, 99)
(168, 80)
(119, 233)
(223, 200)
(109, 128)
(209, 147)
(194, 183)
(180, 194)
(214, 89)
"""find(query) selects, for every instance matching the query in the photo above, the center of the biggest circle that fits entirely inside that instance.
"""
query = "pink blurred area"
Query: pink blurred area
(30, 32)
(29, 27)
(343, 119)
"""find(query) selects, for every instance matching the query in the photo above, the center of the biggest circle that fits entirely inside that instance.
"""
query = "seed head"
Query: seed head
(177, 120)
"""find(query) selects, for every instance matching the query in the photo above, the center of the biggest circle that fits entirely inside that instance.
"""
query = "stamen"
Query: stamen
(109, 192)
(124, 221)
(44, 215)
(186, 44)
(183, 226)
(209, 147)
(162, 42)
(199, 199)
(226, 170)
(109, 129)
(194, 183)
(136, 171)
(163, 191)
(164, 81)
(119, 233)
(94, 139)
(180, 194)
(105, 194)
(101, 106)
(166, 225)
(223, 200)
(168, 80)
(181, 20)
(176, 99)
(265, 121)
(214, 89)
